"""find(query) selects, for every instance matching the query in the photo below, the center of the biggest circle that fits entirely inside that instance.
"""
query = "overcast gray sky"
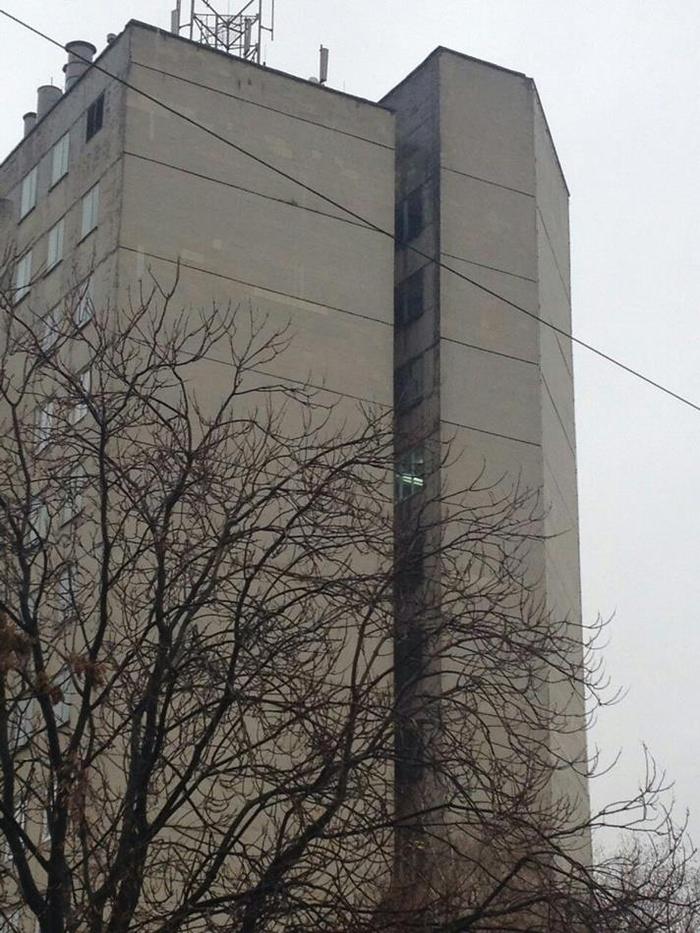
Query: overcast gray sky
(620, 84)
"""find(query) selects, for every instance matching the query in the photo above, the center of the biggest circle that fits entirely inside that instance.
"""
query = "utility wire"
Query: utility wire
(363, 220)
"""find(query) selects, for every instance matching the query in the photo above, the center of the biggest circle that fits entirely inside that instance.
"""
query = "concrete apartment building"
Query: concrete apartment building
(107, 183)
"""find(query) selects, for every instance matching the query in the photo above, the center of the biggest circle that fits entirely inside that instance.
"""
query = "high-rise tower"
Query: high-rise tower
(109, 188)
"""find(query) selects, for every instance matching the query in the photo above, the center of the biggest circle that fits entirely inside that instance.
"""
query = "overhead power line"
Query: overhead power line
(363, 220)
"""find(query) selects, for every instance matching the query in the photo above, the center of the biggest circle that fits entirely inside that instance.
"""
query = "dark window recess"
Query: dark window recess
(408, 299)
(95, 117)
(409, 570)
(410, 747)
(408, 384)
(409, 216)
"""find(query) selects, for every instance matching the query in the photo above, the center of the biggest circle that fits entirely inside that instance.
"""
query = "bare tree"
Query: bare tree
(219, 701)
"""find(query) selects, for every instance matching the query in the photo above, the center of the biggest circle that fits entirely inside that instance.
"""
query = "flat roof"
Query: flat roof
(246, 62)
(440, 50)
(164, 33)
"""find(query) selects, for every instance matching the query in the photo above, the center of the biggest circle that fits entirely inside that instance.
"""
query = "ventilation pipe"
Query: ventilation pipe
(29, 122)
(80, 55)
(323, 69)
(175, 19)
(46, 97)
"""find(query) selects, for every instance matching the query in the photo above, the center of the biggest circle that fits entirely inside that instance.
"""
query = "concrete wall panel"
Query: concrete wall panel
(488, 225)
(487, 122)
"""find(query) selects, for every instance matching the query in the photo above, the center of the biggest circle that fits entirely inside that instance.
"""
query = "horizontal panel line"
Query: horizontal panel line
(505, 437)
(262, 288)
(253, 103)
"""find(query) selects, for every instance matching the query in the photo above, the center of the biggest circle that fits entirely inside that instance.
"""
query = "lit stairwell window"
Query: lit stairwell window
(410, 474)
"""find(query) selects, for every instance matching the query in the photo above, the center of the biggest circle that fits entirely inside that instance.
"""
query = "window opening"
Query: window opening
(62, 709)
(95, 117)
(91, 206)
(409, 216)
(28, 193)
(80, 409)
(59, 159)
(46, 418)
(38, 523)
(408, 298)
(408, 384)
(73, 503)
(23, 277)
(410, 474)
(410, 563)
(84, 308)
(64, 593)
(55, 251)
(52, 328)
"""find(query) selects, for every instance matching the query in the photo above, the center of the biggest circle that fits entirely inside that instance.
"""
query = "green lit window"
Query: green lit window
(410, 474)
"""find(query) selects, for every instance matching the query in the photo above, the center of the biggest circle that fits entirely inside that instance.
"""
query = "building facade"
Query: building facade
(109, 189)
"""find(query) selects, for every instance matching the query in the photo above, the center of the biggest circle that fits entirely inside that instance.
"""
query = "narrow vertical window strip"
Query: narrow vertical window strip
(59, 159)
(28, 193)
(55, 250)
(91, 203)
(23, 277)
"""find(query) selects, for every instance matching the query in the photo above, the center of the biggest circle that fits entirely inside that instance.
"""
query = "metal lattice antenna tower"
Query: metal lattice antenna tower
(239, 34)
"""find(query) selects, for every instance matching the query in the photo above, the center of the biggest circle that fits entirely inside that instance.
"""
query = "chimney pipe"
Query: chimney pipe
(29, 122)
(47, 96)
(80, 55)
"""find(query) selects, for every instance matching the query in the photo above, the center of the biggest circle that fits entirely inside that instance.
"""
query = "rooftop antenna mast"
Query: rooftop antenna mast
(240, 34)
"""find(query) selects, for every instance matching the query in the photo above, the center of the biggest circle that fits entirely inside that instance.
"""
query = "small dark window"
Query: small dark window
(409, 569)
(409, 216)
(408, 384)
(408, 299)
(95, 117)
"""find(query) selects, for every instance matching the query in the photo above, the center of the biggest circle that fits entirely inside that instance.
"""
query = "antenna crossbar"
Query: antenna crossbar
(238, 34)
